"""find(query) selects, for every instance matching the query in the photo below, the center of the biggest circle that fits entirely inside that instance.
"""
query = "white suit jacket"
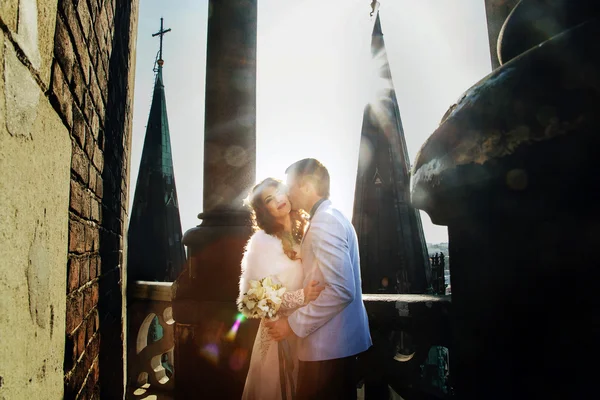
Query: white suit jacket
(334, 325)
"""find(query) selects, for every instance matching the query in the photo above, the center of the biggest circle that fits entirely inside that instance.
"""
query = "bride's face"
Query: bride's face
(276, 201)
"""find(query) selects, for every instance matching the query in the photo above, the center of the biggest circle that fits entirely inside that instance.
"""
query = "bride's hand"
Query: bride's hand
(312, 291)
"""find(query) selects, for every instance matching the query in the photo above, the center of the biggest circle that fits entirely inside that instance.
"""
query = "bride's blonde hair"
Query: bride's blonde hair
(263, 219)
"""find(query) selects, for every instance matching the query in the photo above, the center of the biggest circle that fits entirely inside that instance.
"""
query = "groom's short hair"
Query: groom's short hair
(313, 170)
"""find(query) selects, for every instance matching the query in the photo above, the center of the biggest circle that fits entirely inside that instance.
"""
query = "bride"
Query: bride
(273, 250)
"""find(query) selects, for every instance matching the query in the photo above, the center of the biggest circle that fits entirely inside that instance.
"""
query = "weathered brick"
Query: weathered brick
(83, 394)
(93, 6)
(83, 12)
(123, 213)
(98, 266)
(109, 10)
(97, 321)
(100, 28)
(87, 300)
(80, 335)
(90, 384)
(95, 124)
(79, 126)
(109, 44)
(96, 393)
(107, 52)
(97, 97)
(93, 177)
(85, 205)
(89, 145)
(90, 326)
(68, 12)
(92, 381)
(93, 349)
(73, 274)
(70, 353)
(96, 211)
(63, 48)
(95, 371)
(61, 91)
(102, 65)
(96, 240)
(99, 186)
(98, 159)
(74, 315)
(88, 108)
(84, 271)
(76, 200)
(78, 85)
(93, 270)
(80, 163)
(76, 236)
(95, 293)
(103, 82)
(76, 379)
(111, 24)
(93, 50)
(89, 237)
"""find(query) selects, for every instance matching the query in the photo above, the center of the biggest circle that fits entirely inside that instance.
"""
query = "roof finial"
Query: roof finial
(161, 33)
(374, 6)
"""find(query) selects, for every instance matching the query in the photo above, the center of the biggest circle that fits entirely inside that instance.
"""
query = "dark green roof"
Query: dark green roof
(155, 251)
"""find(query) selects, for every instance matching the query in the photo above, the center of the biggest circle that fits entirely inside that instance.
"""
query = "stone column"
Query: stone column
(513, 172)
(207, 360)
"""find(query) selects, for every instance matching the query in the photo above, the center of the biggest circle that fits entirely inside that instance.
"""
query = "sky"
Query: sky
(312, 82)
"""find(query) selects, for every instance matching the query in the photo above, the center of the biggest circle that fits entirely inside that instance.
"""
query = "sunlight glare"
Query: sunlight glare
(378, 86)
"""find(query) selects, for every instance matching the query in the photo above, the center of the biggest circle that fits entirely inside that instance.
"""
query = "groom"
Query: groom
(333, 329)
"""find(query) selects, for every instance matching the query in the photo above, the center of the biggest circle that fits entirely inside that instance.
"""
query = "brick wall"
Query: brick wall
(91, 89)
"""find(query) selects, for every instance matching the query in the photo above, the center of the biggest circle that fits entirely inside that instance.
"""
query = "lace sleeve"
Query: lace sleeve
(292, 300)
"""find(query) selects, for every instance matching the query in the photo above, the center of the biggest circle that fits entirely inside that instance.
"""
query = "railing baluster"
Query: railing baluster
(150, 363)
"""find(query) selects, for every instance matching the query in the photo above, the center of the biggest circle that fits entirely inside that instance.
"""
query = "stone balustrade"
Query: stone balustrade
(409, 332)
(151, 338)
(405, 329)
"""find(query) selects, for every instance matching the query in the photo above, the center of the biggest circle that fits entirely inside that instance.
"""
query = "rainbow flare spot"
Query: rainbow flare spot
(236, 325)
(211, 353)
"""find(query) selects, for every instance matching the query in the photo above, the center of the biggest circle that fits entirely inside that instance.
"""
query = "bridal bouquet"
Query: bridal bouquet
(263, 299)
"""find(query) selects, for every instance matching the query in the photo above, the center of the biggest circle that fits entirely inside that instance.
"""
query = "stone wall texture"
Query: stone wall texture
(35, 154)
(66, 101)
(91, 90)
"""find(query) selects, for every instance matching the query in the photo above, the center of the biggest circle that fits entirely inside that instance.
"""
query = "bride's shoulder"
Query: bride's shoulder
(261, 239)
(261, 246)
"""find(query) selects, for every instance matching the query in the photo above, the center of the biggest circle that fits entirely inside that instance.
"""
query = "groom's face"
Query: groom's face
(294, 193)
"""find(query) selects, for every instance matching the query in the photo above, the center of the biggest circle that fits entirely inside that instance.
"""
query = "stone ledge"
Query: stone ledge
(146, 290)
(407, 298)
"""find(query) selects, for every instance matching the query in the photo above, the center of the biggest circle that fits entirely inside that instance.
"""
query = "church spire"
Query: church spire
(155, 251)
(390, 235)
(377, 27)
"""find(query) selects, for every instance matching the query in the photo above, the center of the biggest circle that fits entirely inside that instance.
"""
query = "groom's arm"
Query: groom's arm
(332, 255)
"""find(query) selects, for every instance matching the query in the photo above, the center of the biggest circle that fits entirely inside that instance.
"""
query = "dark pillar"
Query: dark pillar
(496, 12)
(513, 172)
(207, 360)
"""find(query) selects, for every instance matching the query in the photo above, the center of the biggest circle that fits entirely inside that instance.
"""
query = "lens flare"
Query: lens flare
(236, 325)
(238, 359)
(211, 353)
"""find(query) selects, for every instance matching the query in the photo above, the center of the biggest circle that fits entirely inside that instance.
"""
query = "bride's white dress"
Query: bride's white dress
(264, 257)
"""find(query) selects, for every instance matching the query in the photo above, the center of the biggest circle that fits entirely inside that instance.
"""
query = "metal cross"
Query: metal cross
(374, 7)
(161, 33)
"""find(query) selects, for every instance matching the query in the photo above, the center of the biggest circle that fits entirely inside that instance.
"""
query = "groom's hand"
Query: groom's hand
(279, 329)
